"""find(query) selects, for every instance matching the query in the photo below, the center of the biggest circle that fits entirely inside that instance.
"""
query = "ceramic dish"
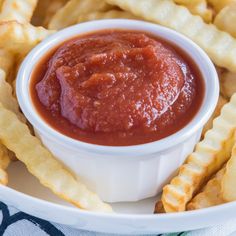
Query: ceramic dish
(129, 173)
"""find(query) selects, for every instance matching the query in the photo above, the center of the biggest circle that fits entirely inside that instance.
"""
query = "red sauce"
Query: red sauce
(117, 88)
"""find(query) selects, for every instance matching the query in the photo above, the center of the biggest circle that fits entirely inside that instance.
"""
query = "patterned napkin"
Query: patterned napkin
(15, 223)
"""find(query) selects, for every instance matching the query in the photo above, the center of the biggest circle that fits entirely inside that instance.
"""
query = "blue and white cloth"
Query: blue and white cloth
(15, 223)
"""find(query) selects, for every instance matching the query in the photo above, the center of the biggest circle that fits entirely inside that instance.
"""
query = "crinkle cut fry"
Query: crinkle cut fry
(10, 102)
(21, 38)
(7, 98)
(3, 177)
(226, 18)
(4, 153)
(7, 61)
(210, 154)
(54, 6)
(4, 162)
(198, 7)
(19, 10)
(112, 14)
(228, 181)
(69, 14)
(221, 102)
(227, 83)
(16, 136)
(210, 195)
(220, 46)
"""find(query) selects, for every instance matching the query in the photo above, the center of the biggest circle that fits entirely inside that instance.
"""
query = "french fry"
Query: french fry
(228, 181)
(227, 83)
(112, 14)
(4, 162)
(19, 10)
(3, 177)
(6, 97)
(40, 162)
(221, 102)
(10, 102)
(226, 18)
(4, 153)
(198, 7)
(202, 10)
(54, 6)
(21, 38)
(7, 61)
(220, 46)
(210, 154)
(4, 158)
(5, 94)
(210, 195)
(68, 14)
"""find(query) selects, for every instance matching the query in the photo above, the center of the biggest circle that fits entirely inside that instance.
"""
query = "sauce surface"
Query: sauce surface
(117, 88)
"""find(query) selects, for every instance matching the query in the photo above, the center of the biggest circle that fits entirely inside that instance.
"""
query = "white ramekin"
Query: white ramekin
(126, 173)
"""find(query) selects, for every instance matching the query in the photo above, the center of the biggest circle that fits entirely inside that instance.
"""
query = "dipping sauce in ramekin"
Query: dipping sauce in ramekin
(127, 172)
(117, 88)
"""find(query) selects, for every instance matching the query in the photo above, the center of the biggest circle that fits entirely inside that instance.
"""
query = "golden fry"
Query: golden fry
(202, 10)
(4, 158)
(10, 102)
(226, 19)
(112, 14)
(54, 6)
(6, 97)
(4, 162)
(16, 137)
(227, 83)
(221, 102)
(69, 14)
(220, 46)
(7, 61)
(21, 38)
(3, 177)
(211, 194)
(19, 10)
(228, 181)
(198, 7)
(210, 154)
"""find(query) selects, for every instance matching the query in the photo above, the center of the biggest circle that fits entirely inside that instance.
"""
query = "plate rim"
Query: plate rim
(120, 223)
(119, 215)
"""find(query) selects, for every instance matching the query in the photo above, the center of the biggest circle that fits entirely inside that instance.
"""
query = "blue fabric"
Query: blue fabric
(8, 220)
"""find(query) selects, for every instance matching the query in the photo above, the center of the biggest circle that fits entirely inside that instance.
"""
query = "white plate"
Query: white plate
(26, 194)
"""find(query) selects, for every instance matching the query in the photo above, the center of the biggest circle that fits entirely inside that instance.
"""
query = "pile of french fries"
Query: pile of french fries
(208, 175)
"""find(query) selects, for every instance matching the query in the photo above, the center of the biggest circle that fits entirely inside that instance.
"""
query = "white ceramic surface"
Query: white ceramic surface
(25, 193)
(121, 173)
